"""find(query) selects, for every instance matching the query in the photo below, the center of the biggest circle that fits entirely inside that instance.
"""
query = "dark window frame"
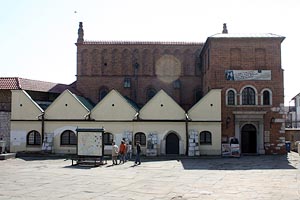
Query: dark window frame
(151, 92)
(141, 137)
(248, 96)
(266, 98)
(36, 140)
(68, 140)
(108, 138)
(231, 98)
(205, 137)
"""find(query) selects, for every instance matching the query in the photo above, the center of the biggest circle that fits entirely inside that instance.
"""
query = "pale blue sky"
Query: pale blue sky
(37, 36)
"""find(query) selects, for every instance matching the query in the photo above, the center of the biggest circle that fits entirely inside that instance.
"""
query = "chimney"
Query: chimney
(225, 31)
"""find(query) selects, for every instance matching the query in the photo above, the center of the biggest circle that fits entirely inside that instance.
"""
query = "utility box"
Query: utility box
(2, 146)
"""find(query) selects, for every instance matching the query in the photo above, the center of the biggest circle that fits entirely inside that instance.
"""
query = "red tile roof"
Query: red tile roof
(16, 83)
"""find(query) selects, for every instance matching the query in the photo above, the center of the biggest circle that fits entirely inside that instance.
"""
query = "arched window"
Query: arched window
(108, 138)
(103, 92)
(205, 137)
(266, 98)
(33, 138)
(150, 93)
(68, 137)
(230, 97)
(141, 137)
(248, 96)
(197, 95)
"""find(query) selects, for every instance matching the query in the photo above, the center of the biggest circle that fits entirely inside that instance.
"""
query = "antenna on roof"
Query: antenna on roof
(225, 31)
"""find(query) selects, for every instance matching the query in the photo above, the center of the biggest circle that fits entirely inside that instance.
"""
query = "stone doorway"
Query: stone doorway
(172, 144)
(249, 139)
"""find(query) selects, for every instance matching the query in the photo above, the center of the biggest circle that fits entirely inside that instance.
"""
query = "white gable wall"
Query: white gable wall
(113, 107)
(66, 106)
(162, 107)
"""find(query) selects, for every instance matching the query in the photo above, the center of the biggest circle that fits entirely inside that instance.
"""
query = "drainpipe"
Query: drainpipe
(186, 134)
(42, 118)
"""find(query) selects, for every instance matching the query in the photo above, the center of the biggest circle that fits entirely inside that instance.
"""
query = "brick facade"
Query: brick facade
(187, 71)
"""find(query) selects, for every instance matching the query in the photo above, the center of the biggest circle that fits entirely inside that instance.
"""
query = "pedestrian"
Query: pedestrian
(129, 150)
(114, 153)
(122, 151)
(138, 152)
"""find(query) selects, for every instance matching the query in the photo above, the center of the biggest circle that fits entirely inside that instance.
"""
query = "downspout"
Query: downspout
(42, 118)
(186, 134)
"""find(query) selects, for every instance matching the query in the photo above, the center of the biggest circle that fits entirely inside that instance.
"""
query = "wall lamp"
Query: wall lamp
(228, 120)
(272, 120)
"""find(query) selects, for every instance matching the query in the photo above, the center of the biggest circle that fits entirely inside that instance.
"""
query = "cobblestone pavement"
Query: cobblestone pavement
(248, 177)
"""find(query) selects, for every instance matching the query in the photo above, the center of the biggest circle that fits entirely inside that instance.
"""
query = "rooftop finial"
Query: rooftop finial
(80, 33)
(225, 28)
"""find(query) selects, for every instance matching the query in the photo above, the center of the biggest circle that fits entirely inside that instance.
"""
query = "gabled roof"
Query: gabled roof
(162, 107)
(88, 104)
(114, 106)
(68, 106)
(16, 83)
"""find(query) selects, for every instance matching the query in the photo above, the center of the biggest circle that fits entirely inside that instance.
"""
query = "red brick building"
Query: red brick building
(247, 67)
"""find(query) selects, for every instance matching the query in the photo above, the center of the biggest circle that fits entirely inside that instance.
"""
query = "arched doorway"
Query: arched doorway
(249, 139)
(172, 144)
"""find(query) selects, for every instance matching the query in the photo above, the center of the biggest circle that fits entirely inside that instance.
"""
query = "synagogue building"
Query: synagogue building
(185, 98)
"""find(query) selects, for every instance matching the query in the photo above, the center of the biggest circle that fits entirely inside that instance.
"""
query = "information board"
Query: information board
(90, 142)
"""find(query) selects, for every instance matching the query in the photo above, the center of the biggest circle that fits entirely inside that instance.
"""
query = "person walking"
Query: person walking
(114, 153)
(122, 151)
(129, 150)
(138, 152)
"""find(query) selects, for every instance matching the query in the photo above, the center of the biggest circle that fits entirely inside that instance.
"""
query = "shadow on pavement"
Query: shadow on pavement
(267, 162)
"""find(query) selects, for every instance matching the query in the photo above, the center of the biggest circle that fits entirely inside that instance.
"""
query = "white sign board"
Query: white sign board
(243, 75)
(89, 143)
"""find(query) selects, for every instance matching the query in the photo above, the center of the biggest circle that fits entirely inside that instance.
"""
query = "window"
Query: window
(141, 137)
(197, 95)
(108, 138)
(150, 93)
(205, 137)
(103, 92)
(34, 138)
(230, 97)
(266, 98)
(127, 83)
(248, 96)
(68, 138)
(177, 84)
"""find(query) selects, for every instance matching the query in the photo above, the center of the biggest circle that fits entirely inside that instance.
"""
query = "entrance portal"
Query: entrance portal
(249, 139)
(172, 144)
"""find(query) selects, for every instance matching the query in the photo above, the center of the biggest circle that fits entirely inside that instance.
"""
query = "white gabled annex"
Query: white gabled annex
(67, 106)
(208, 108)
(113, 107)
(24, 107)
(162, 107)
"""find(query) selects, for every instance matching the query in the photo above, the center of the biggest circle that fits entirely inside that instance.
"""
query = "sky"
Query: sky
(37, 37)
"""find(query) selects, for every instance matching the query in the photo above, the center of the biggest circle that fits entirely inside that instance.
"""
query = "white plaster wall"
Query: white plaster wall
(215, 129)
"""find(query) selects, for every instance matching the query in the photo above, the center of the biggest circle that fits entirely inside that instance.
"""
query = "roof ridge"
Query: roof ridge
(141, 42)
